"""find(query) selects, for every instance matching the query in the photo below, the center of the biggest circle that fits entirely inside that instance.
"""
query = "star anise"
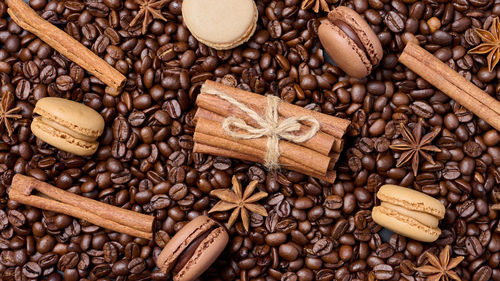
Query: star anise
(490, 45)
(496, 206)
(441, 269)
(414, 145)
(316, 5)
(149, 10)
(240, 202)
(7, 113)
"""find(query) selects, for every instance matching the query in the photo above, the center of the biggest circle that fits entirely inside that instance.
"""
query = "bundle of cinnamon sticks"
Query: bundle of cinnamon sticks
(315, 157)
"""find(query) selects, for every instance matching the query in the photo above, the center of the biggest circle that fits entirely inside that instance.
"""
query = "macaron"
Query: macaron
(67, 125)
(350, 42)
(193, 249)
(220, 24)
(409, 212)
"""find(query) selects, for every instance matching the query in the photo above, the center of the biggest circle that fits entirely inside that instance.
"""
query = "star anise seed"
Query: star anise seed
(316, 5)
(414, 146)
(7, 113)
(490, 45)
(149, 10)
(240, 202)
(442, 268)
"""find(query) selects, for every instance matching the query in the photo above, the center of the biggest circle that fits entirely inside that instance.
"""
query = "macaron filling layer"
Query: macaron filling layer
(406, 220)
(61, 128)
(350, 33)
(189, 251)
(424, 218)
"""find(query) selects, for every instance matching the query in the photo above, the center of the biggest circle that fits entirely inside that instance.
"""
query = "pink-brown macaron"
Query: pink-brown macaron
(193, 249)
(350, 42)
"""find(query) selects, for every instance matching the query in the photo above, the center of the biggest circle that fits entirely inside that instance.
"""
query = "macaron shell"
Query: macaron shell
(215, 243)
(363, 30)
(411, 199)
(62, 140)
(221, 24)
(232, 45)
(404, 225)
(168, 256)
(73, 115)
(346, 54)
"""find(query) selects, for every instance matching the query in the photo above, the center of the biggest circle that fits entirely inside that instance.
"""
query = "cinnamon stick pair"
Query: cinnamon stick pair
(29, 20)
(315, 157)
(98, 213)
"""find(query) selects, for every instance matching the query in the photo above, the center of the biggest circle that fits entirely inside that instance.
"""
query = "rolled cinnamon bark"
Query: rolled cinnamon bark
(98, 213)
(331, 125)
(451, 83)
(321, 142)
(250, 147)
(29, 20)
(288, 150)
(207, 149)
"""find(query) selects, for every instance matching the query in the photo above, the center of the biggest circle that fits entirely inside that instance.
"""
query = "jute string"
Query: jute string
(268, 126)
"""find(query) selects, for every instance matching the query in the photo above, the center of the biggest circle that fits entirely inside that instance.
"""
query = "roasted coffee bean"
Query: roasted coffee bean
(383, 271)
(32, 270)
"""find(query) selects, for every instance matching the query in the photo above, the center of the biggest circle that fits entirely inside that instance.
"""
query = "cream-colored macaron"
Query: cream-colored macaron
(67, 125)
(220, 24)
(409, 212)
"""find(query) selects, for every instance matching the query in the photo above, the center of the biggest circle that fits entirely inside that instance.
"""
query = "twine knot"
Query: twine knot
(268, 126)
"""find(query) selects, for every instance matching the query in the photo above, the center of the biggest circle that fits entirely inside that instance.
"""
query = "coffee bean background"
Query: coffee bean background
(145, 163)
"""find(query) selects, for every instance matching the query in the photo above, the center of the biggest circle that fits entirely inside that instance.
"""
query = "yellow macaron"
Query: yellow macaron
(220, 24)
(409, 212)
(67, 125)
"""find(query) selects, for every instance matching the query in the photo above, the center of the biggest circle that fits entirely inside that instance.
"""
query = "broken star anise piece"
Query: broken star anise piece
(240, 202)
(441, 269)
(7, 113)
(490, 45)
(316, 5)
(149, 10)
(414, 145)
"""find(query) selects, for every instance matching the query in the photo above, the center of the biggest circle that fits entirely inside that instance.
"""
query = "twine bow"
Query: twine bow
(268, 126)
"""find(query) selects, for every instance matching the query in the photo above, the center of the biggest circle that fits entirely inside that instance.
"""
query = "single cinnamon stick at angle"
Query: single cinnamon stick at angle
(207, 149)
(29, 20)
(451, 83)
(98, 213)
(331, 125)
(296, 153)
(321, 142)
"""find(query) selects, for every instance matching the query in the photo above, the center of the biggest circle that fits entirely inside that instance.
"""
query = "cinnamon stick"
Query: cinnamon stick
(331, 125)
(207, 149)
(29, 20)
(321, 142)
(451, 83)
(288, 151)
(98, 213)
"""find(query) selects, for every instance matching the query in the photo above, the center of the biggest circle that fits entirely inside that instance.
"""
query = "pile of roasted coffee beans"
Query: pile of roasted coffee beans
(145, 163)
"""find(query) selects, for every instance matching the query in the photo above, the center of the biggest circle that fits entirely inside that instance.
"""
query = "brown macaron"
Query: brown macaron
(193, 249)
(350, 42)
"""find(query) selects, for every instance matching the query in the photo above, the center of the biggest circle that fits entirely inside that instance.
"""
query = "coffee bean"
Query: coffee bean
(473, 246)
(422, 109)
(32, 270)
(483, 273)
(394, 22)
(383, 272)
(16, 218)
(4, 222)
